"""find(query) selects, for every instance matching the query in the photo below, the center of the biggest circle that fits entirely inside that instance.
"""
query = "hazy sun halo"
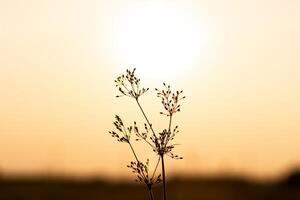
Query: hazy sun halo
(159, 41)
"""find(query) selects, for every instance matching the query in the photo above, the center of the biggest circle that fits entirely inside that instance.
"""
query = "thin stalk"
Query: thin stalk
(163, 162)
(162, 155)
(136, 158)
(169, 131)
(149, 187)
(155, 167)
(164, 177)
(145, 116)
(170, 122)
(150, 193)
(133, 152)
(153, 147)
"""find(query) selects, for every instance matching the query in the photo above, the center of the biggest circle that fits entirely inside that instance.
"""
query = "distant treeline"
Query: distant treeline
(218, 188)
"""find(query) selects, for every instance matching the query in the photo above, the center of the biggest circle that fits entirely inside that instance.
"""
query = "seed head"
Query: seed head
(129, 85)
(170, 100)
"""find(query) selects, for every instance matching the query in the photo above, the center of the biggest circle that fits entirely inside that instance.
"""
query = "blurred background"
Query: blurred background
(237, 62)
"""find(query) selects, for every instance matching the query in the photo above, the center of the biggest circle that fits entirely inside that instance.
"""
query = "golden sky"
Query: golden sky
(237, 61)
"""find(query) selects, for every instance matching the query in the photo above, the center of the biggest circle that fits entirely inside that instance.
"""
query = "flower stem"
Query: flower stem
(169, 132)
(161, 155)
(150, 193)
(155, 168)
(145, 116)
(133, 152)
(164, 177)
(163, 162)
(170, 122)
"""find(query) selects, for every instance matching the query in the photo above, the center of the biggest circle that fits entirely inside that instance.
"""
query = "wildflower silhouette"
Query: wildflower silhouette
(161, 142)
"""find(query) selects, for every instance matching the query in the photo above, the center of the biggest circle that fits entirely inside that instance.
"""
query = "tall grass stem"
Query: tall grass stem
(164, 177)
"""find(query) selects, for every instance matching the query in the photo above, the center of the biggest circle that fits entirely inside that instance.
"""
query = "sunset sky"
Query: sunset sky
(237, 61)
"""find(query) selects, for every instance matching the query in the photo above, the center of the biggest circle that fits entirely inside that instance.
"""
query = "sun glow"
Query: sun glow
(160, 41)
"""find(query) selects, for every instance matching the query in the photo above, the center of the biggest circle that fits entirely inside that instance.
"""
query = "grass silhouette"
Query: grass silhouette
(160, 142)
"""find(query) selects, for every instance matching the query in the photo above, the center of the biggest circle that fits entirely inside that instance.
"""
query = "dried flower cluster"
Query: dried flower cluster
(161, 143)
(170, 102)
(142, 173)
(162, 146)
(141, 170)
(129, 85)
(124, 133)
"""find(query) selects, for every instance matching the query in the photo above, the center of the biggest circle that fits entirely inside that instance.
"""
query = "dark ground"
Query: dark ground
(178, 188)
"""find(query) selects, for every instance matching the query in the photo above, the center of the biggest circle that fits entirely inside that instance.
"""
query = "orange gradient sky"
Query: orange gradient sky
(237, 61)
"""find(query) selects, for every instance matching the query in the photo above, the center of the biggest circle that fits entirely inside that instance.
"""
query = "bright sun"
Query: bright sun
(160, 41)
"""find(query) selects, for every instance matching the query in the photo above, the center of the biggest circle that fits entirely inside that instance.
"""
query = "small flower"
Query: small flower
(141, 135)
(124, 133)
(170, 100)
(142, 173)
(129, 85)
(161, 142)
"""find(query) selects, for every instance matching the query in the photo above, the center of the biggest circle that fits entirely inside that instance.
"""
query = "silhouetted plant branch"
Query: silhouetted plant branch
(129, 85)
(140, 169)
